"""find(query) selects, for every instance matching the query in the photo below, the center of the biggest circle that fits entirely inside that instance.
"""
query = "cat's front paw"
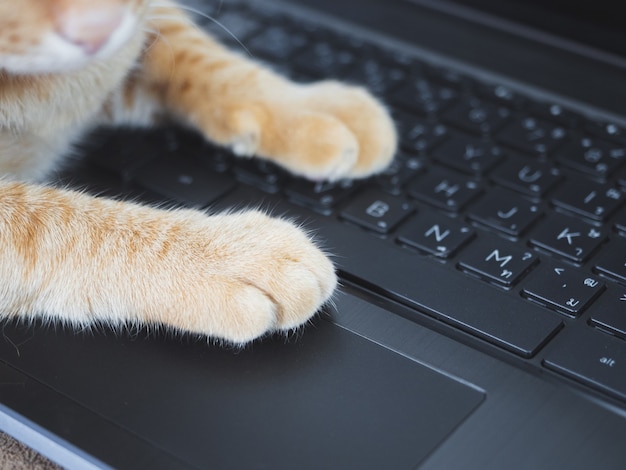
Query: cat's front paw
(321, 131)
(251, 274)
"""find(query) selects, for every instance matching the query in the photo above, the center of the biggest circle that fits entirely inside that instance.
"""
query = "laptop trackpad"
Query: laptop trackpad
(331, 399)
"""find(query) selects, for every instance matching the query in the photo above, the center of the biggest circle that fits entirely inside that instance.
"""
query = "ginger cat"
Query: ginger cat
(68, 65)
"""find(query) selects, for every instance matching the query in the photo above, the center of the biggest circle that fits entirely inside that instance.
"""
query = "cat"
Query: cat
(69, 65)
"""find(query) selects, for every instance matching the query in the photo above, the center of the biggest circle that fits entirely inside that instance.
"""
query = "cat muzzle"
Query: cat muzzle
(89, 28)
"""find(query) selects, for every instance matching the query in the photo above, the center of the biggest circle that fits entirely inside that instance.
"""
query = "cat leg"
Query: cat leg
(324, 130)
(78, 259)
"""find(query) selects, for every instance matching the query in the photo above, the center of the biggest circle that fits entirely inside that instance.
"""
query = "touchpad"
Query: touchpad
(329, 399)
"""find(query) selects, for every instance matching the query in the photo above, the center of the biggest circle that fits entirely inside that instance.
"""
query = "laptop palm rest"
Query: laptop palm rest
(328, 399)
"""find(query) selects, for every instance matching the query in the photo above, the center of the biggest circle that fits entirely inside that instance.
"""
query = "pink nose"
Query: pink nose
(89, 27)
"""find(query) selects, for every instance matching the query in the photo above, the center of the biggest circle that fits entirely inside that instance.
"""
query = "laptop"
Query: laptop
(481, 321)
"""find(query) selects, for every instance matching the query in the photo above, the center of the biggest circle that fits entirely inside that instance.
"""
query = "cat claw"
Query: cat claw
(345, 164)
(245, 145)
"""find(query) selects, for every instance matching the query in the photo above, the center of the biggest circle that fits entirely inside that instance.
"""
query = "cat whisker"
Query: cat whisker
(157, 36)
(213, 20)
(220, 5)
(7, 339)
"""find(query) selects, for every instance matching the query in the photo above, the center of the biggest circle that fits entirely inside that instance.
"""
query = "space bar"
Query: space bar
(482, 310)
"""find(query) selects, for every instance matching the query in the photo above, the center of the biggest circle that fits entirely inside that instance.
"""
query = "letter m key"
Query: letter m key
(503, 260)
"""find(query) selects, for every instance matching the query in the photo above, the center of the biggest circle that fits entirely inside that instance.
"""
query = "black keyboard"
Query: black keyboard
(501, 215)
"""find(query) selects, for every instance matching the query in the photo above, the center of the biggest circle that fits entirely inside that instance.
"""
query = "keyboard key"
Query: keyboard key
(497, 260)
(532, 136)
(468, 154)
(527, 177)
(445, 190)
(621, 177)
(476, 116)
(277, 43)
(324, 59)
(505, 212)
(216, 159)
(418, 135)
(449, 78)
(588, 199)
(501, 94)
(376, 74)
(115, 151)
(613, 262)
(568, 237)
(403, 169)
(609, 312)
(564, 288)
(620, 221)
(556, 113)
(378, 211)
(424, 97)
(183, 180)
(591, 357)
(435, 234)
(322, 196)
(607, 130)
(260, 173)
(596, 157)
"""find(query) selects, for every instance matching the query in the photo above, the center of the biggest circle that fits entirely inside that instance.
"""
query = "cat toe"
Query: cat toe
(344, 165)
(367, 120)
(312, 286)
(245, 132)
(300, 278)
(251, 314)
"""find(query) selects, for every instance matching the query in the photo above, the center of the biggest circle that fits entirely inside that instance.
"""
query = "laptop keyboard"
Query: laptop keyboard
(501, 215)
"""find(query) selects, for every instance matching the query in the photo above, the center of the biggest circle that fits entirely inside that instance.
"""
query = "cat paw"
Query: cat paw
(321, 131)
(250, 275)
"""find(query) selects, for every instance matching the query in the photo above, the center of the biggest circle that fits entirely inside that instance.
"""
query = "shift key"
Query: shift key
(591, 357)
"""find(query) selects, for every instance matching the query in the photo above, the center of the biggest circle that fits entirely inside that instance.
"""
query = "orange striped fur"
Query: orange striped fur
(69, 65)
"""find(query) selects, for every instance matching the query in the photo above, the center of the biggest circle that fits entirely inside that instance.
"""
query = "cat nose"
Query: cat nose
(89, 28)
